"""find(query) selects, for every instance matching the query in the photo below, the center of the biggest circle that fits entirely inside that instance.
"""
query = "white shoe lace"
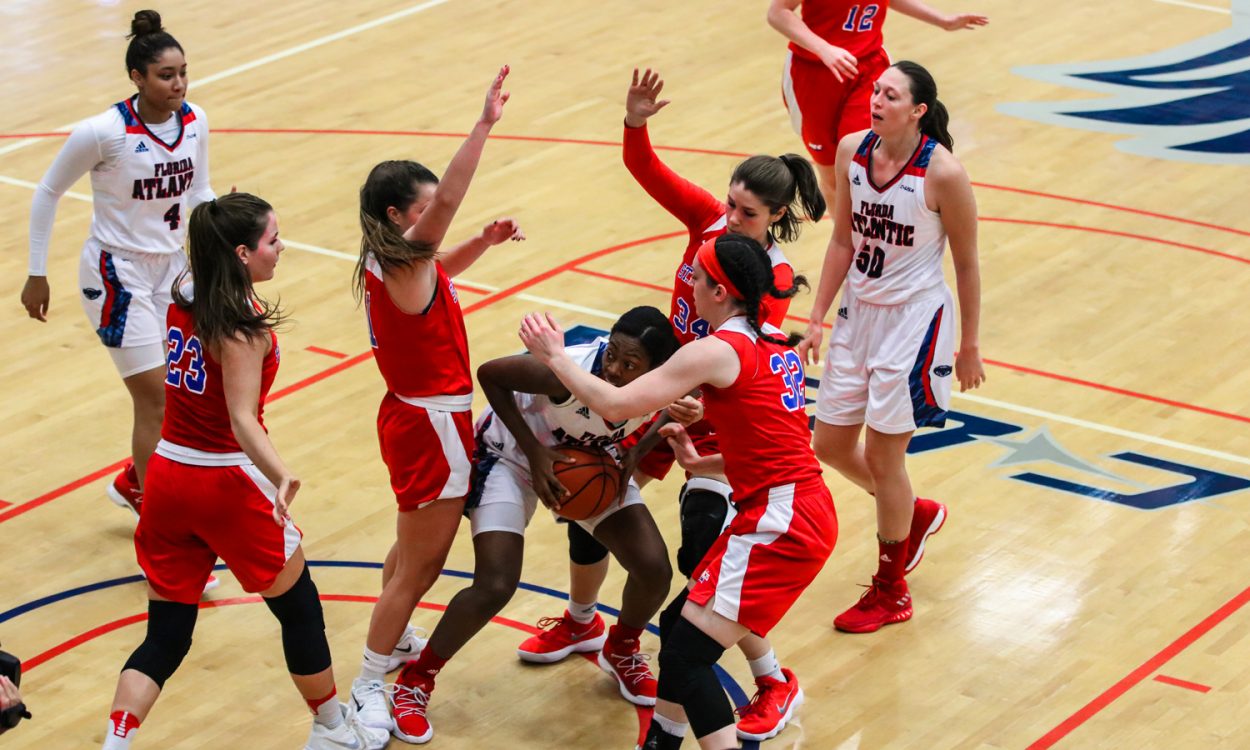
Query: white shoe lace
(408, 700)
(633, 667)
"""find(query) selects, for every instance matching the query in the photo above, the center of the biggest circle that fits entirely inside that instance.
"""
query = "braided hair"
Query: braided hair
(748, 268)
(653, 330)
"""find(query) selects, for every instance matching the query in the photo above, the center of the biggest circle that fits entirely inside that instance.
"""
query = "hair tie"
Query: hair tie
(711, 264)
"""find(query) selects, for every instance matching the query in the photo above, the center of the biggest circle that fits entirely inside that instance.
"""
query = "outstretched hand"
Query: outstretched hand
(496, 97)
(542, 336)
(964, 21)
(641, 100)
(502, 230)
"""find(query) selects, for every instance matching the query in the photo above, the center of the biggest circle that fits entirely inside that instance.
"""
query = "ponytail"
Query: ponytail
(748, 269)
(936, 119)
(390, 184)
(787, 181)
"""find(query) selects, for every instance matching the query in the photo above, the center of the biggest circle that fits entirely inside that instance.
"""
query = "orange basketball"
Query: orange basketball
(592, 481)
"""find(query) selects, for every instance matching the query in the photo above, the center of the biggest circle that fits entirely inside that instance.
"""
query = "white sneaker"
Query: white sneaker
(370, 706)
(350, 735)
(409, 648)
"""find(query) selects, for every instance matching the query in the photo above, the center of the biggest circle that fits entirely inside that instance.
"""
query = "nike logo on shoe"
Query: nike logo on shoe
(405, 650)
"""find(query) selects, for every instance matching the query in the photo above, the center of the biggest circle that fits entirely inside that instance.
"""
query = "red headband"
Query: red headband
(707, 258)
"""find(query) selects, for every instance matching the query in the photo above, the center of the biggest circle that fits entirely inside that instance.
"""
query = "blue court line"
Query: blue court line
(735, 692)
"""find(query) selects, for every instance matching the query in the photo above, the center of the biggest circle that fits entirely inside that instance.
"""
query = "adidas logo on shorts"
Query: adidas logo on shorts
(142, 148)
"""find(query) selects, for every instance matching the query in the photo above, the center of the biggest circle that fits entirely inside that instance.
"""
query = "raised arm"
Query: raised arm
(80, 154)
(781, 16)
(241, 362)
(708, 360)
(431, 228)
(691, 204)
(949, 21)
(957, 205)
(837, 256)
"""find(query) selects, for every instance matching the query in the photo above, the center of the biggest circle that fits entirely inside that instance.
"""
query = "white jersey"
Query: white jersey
(898, 241)
(144, 179)
(569, 422)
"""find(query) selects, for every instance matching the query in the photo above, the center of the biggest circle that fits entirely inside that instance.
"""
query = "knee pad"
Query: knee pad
(688, 678)
(672, 613)
(705, 511)
(168, 639)
(584, 549)
(303, 628)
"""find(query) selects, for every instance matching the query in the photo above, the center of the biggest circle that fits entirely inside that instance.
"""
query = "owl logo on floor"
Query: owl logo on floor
(1187, 103)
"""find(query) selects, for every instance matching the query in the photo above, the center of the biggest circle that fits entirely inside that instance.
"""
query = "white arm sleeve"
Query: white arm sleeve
(203, 188)
(79, 156)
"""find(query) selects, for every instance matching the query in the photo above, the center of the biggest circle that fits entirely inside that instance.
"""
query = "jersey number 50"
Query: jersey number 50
(191, 375)
(790, 368)
(871, 262)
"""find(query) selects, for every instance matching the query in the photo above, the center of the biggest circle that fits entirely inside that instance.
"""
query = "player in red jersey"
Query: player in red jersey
(836, 53)
(768, 200)
(425, 428)
(785, 527)
(216, 487)
(902, 195)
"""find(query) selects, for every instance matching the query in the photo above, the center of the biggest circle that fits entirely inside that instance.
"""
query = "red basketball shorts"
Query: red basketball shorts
(428, 452)
(193, 515)
(768, 555)
(822, 109)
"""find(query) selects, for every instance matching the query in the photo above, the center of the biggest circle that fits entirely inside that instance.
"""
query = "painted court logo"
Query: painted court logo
(1188, 103)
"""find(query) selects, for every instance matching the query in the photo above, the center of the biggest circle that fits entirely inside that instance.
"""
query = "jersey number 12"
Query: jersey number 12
(856, 22)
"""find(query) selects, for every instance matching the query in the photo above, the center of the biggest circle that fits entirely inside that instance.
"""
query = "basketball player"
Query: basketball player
(519, 439)
(425, 428)
(217, 487)
(148, 160)
(835, 55)
(902, 195)
(785, 527)
(769, 198)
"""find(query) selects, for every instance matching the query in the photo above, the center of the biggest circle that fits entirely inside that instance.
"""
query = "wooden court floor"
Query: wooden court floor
(1089, 590)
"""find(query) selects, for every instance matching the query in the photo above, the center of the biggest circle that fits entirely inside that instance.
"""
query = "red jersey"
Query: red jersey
(853, 26)
(704, 217)
(770, 443)
(196, 415)
(423, 354)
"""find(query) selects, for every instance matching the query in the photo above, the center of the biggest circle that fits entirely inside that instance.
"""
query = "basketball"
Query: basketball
(592, 480)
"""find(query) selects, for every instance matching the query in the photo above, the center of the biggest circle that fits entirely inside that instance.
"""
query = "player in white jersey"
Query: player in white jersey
(148, 161)
(531, 417)
(901, 195)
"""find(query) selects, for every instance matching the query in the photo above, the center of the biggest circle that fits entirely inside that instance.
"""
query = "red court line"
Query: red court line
(1113, 207)
(568, 266)
(1114, 233)
(118, 624)
(997, 363)
(1182, 683)
(710, 152)
(326, 352)
(5, 503)
(1086, 712)
(613, 277)
(47, 497)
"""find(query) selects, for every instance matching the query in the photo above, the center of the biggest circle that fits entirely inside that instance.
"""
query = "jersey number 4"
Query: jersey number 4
(856, 22)
(790, 368)
(173, 217)
(189, 374)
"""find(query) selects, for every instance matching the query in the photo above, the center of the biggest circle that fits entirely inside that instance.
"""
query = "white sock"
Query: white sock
(766, 666)
(373, 666)
(582, 612)
(675, 728)
(329, 713)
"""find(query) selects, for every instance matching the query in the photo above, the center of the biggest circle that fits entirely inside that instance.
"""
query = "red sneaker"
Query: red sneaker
(410, 699)
(771, 708)
(631, 673)
(562, 636)
(125, 492)
(882, 604)
(926, 520)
